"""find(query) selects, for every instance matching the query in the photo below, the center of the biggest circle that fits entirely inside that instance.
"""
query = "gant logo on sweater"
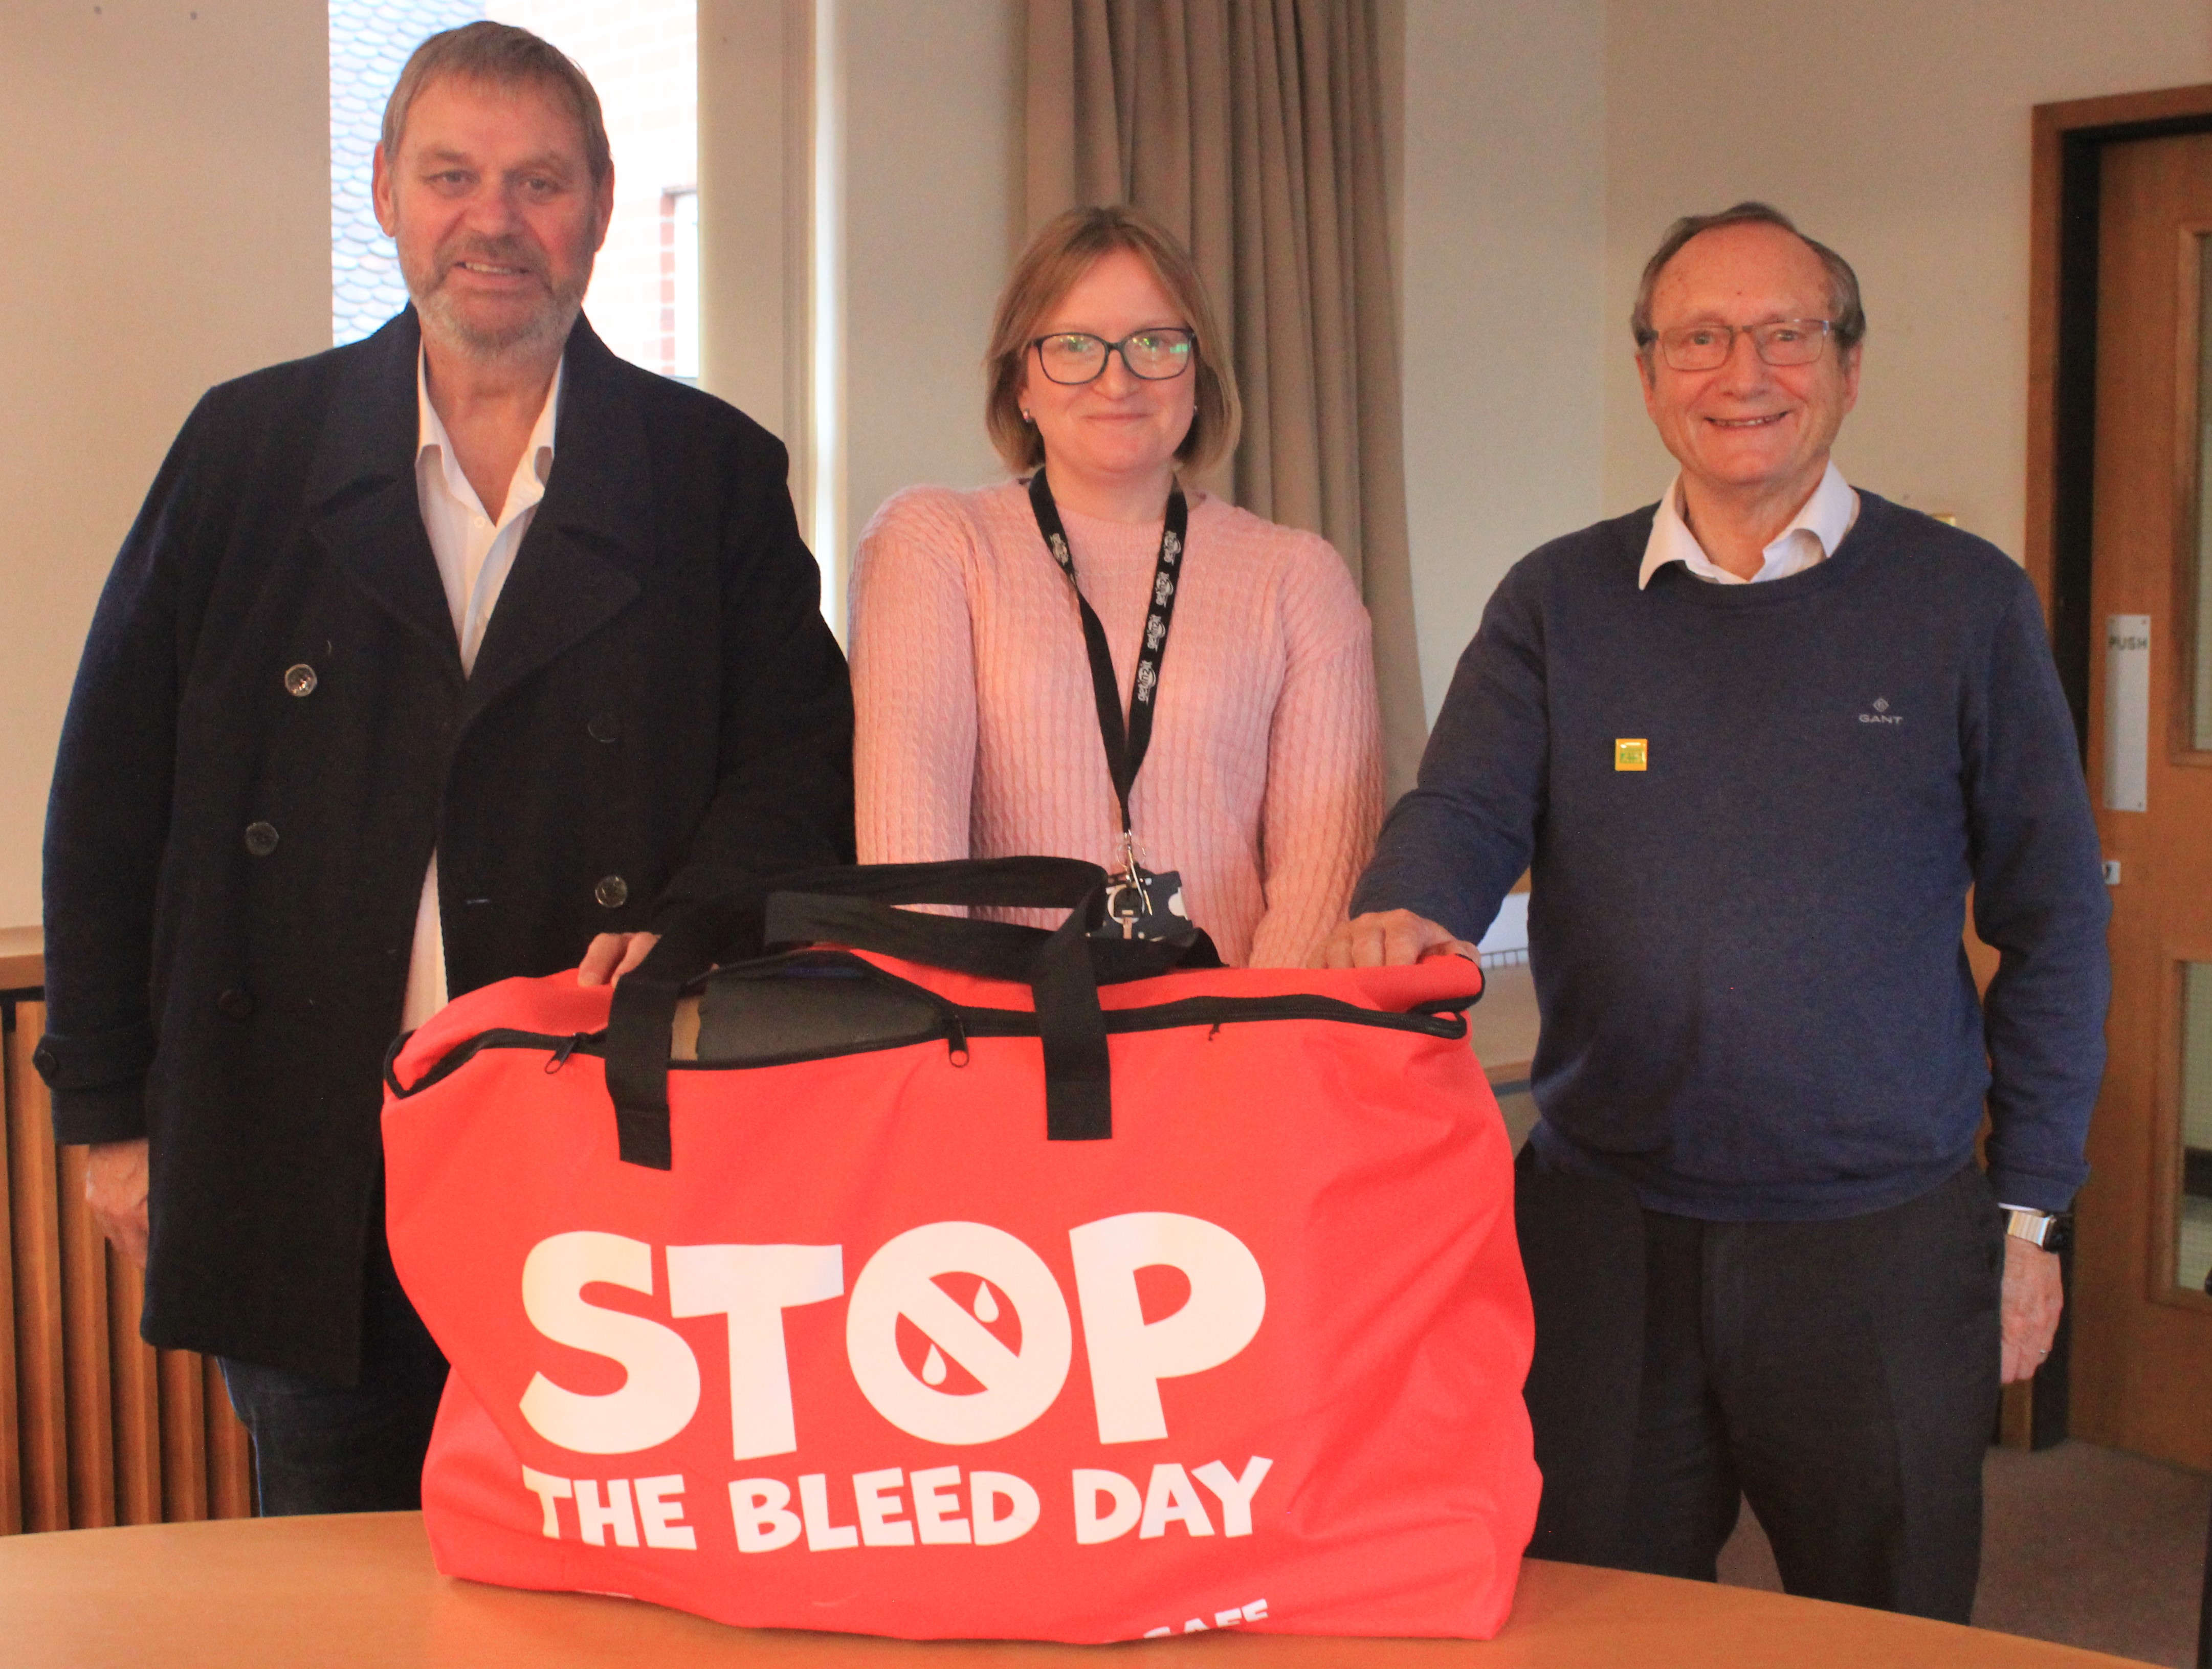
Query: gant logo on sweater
(1881, 715)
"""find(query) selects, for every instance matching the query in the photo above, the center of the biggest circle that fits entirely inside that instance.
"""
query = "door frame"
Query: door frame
(2068, 140)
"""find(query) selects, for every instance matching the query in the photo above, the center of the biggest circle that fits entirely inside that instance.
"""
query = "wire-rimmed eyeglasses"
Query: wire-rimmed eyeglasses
(1157, 355)
(1707, 347)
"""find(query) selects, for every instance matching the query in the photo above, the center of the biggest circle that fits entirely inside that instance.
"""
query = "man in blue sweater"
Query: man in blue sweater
(1757, 743)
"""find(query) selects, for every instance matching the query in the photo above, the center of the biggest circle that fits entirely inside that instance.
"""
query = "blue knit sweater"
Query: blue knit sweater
(1747, 954)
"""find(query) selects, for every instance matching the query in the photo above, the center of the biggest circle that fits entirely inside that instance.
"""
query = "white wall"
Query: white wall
(933, 163)
(755, 118)
(1502, 252)
(1896, 130)
(167, 204)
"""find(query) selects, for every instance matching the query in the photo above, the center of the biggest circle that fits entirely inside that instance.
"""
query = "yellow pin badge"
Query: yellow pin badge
(1631, 753)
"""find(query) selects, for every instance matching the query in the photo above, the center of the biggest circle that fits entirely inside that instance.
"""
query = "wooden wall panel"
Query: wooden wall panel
(183, 1438)
(229, 1452)
(42, 1413)
(11, 1476)
(84, 1353)
(96, 1426)
(136, 1378)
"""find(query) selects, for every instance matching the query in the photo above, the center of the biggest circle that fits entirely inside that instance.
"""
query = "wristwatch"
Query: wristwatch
(2052, 1231)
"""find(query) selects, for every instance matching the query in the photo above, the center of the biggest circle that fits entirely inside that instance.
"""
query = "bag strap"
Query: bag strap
(854, 906)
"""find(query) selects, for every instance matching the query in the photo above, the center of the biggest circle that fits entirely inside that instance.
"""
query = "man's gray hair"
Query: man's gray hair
(500, 55)
(1846, 314)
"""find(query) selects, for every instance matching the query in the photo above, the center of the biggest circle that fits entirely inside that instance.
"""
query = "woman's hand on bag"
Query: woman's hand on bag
(612, 955)
(1387, 938)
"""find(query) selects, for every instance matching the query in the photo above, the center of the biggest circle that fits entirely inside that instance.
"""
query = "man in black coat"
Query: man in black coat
(381, 703)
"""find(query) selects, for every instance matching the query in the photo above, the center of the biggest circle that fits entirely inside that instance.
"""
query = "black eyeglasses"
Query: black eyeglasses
(1158, 355)
(1707, 347)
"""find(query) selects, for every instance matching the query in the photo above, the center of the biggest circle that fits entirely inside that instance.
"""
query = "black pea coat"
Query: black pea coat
(271, 731)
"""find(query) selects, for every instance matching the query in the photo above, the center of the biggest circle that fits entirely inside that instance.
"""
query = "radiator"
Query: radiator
(97, 1427)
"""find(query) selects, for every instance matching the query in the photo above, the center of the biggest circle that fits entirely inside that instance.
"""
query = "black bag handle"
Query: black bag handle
(854, 906)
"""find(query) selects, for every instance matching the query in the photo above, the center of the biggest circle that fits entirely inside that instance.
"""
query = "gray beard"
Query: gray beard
(546, 325)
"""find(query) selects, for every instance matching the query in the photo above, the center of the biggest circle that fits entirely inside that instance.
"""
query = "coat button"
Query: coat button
(261, 839)
(236, 1004)
(604, 727)
(46, 1061)
(613, 892)
(299, 680)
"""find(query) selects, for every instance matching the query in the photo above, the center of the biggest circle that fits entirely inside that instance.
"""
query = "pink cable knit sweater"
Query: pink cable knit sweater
(978, 736)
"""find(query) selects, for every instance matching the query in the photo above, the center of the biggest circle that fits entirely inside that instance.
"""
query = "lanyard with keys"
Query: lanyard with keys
(1140, 903)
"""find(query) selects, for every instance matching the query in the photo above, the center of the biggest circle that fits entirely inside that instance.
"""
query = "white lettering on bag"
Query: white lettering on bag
(1002, 1507)
(985, 1491)
(548, 1490)
(1172, 1498)
(595, 1517)
(753, 1286)
(1018, 1385)
(883, 1514)
(661, 1513)
(822, 1536)
(1254, 1612)
(937, 1507)
(1129, 1356)
(1235, 1493)
(1091, 1486)
(661, 1393)
(760, 1507)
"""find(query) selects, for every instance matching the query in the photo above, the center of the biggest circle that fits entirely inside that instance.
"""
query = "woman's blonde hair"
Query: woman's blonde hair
(1066, 248)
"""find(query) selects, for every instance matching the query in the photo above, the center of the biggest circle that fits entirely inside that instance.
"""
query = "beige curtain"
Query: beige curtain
(1253, 130)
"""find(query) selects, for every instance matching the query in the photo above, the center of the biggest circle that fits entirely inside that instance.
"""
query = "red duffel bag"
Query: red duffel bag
(967, 1279)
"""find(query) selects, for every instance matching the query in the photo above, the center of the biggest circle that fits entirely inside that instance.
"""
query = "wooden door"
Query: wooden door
(2142, 1349)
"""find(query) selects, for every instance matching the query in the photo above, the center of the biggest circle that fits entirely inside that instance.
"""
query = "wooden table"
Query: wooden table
(22, 958)
(334, 1592)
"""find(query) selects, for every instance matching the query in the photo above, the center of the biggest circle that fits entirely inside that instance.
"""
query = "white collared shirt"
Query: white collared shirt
(1811, 537)
(475, 555)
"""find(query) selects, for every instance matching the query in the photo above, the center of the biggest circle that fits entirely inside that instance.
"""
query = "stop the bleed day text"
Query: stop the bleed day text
(934, 1506)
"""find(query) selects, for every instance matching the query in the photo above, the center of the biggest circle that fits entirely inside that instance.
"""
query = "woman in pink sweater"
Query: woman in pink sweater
(981, 733)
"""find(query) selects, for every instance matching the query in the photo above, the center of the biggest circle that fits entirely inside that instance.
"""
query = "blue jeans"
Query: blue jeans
(324, 1448)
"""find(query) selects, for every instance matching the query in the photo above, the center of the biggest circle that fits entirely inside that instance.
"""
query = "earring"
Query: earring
(1026, 415)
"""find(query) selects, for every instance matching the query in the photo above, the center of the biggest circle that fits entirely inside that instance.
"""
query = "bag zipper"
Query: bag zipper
(957, 1024)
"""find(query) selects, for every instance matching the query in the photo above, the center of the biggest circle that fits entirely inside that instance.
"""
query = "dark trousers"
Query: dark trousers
(324, 1448)
(1841, 1375)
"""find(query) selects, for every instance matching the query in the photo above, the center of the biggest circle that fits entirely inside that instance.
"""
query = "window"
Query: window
(370, 40)
(679, 283)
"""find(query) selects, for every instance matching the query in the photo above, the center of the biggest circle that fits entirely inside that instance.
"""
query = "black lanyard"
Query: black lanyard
(1125, 745)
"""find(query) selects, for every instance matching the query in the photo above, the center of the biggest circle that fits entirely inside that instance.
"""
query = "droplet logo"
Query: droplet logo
(900, 1281)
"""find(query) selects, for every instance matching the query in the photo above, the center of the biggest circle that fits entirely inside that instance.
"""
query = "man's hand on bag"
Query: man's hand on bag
(1387, 938)
(115, 1189)
(612, 955)
(2029, 1313)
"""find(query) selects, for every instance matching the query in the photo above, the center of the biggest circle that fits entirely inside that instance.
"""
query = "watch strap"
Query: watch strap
(2050, 1231)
